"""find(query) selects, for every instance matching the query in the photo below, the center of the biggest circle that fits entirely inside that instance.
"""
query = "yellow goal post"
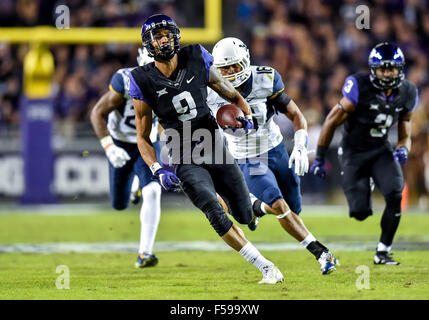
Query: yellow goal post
(39, 65)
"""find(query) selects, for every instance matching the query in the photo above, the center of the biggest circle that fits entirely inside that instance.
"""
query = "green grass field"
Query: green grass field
(204, 275)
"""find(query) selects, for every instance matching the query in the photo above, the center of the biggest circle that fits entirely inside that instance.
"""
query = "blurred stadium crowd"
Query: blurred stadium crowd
(314, 44)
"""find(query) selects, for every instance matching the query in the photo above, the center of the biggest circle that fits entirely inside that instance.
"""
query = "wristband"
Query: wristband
(154, 167)
(321, 153)
(106, 142)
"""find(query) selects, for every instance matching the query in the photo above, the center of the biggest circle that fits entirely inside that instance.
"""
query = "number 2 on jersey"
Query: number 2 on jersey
(385, 122)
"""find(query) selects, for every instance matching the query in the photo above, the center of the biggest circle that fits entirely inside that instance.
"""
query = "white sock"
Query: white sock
(308, 239)
(251, 254)
(263, 207)
(136, 184)
(382, 247)
(150, 213)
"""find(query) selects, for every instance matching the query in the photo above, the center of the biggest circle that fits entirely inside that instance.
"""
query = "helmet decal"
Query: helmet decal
(386, 55)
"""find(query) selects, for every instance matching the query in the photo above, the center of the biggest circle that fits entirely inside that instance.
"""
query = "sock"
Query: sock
(316, 248)
(389, 224)
(150, 213)
(263, 207)
(251, 254)
(135, 185)
(308, 239)
(382, 247)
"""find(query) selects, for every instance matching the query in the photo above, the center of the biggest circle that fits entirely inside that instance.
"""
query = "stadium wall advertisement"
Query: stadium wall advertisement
(74, 175)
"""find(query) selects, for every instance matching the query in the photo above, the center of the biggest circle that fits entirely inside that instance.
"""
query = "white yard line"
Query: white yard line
(92, 209)
(131, 247)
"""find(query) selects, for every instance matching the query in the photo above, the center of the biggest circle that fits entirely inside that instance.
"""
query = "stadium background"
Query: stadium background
(313, 44)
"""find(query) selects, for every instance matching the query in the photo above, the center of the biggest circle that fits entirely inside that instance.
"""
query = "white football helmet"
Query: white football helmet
(230, 51)
(143, 57)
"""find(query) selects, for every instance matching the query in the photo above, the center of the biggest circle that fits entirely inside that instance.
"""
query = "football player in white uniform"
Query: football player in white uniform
(117, 136)
(271, 175)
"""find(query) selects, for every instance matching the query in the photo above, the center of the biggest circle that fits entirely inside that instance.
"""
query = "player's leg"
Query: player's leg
(150, 213)
(265, 187)
(136, 194)
(229, 183)
(120, 179)
(262, 185)
(288, 181)
(356, 184)
(198, 185)
(388, 177)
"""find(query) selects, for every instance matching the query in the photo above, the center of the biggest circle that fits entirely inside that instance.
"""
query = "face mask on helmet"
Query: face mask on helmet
(156, 29)
(231, 51)
(386, 56)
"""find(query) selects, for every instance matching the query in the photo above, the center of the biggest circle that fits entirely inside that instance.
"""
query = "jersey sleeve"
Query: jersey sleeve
(279, 99)
(351, 90)
(278, 84)
(208, 60)
(413, 99)
(117, 84)
(134, 90)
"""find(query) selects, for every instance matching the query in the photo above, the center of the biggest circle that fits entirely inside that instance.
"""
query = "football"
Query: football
(227, 116)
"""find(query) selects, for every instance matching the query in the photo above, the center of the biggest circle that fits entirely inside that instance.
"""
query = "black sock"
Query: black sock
(316, 248)
(389, 225)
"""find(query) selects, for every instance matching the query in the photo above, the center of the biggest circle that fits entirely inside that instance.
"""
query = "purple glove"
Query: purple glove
(401, 154)
(168, 180)
(247, 124)
(318, 168)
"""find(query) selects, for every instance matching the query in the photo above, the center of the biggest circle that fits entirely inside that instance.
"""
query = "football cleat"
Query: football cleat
(257, 212)
(253, 224)
(271, 275)
(146, 260)
(135, 197)
(371, 184)
(383, 257)
(327, 262)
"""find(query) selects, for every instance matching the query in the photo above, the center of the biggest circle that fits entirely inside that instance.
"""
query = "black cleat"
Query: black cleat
(383, 257)
(253, 224)
(135, 197)
(257, 213)
(257, 208)
(146, 260)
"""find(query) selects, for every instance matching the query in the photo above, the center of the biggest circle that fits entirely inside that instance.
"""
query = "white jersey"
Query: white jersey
(261, 85)
(121, 121)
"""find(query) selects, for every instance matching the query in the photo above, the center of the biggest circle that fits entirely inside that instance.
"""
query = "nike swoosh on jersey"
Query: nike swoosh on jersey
(189, 80)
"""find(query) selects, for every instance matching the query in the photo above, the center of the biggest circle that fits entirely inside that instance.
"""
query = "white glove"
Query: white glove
(299, 153)
(143, 57)
(116, 155)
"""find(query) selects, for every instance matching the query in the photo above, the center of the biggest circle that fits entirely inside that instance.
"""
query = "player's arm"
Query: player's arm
(225, 89)
(169, 181)
(335, 118)
(283, 103)
(143, 116)
(295, 115)
(403, 146)
(107, 103)
(404, 132)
